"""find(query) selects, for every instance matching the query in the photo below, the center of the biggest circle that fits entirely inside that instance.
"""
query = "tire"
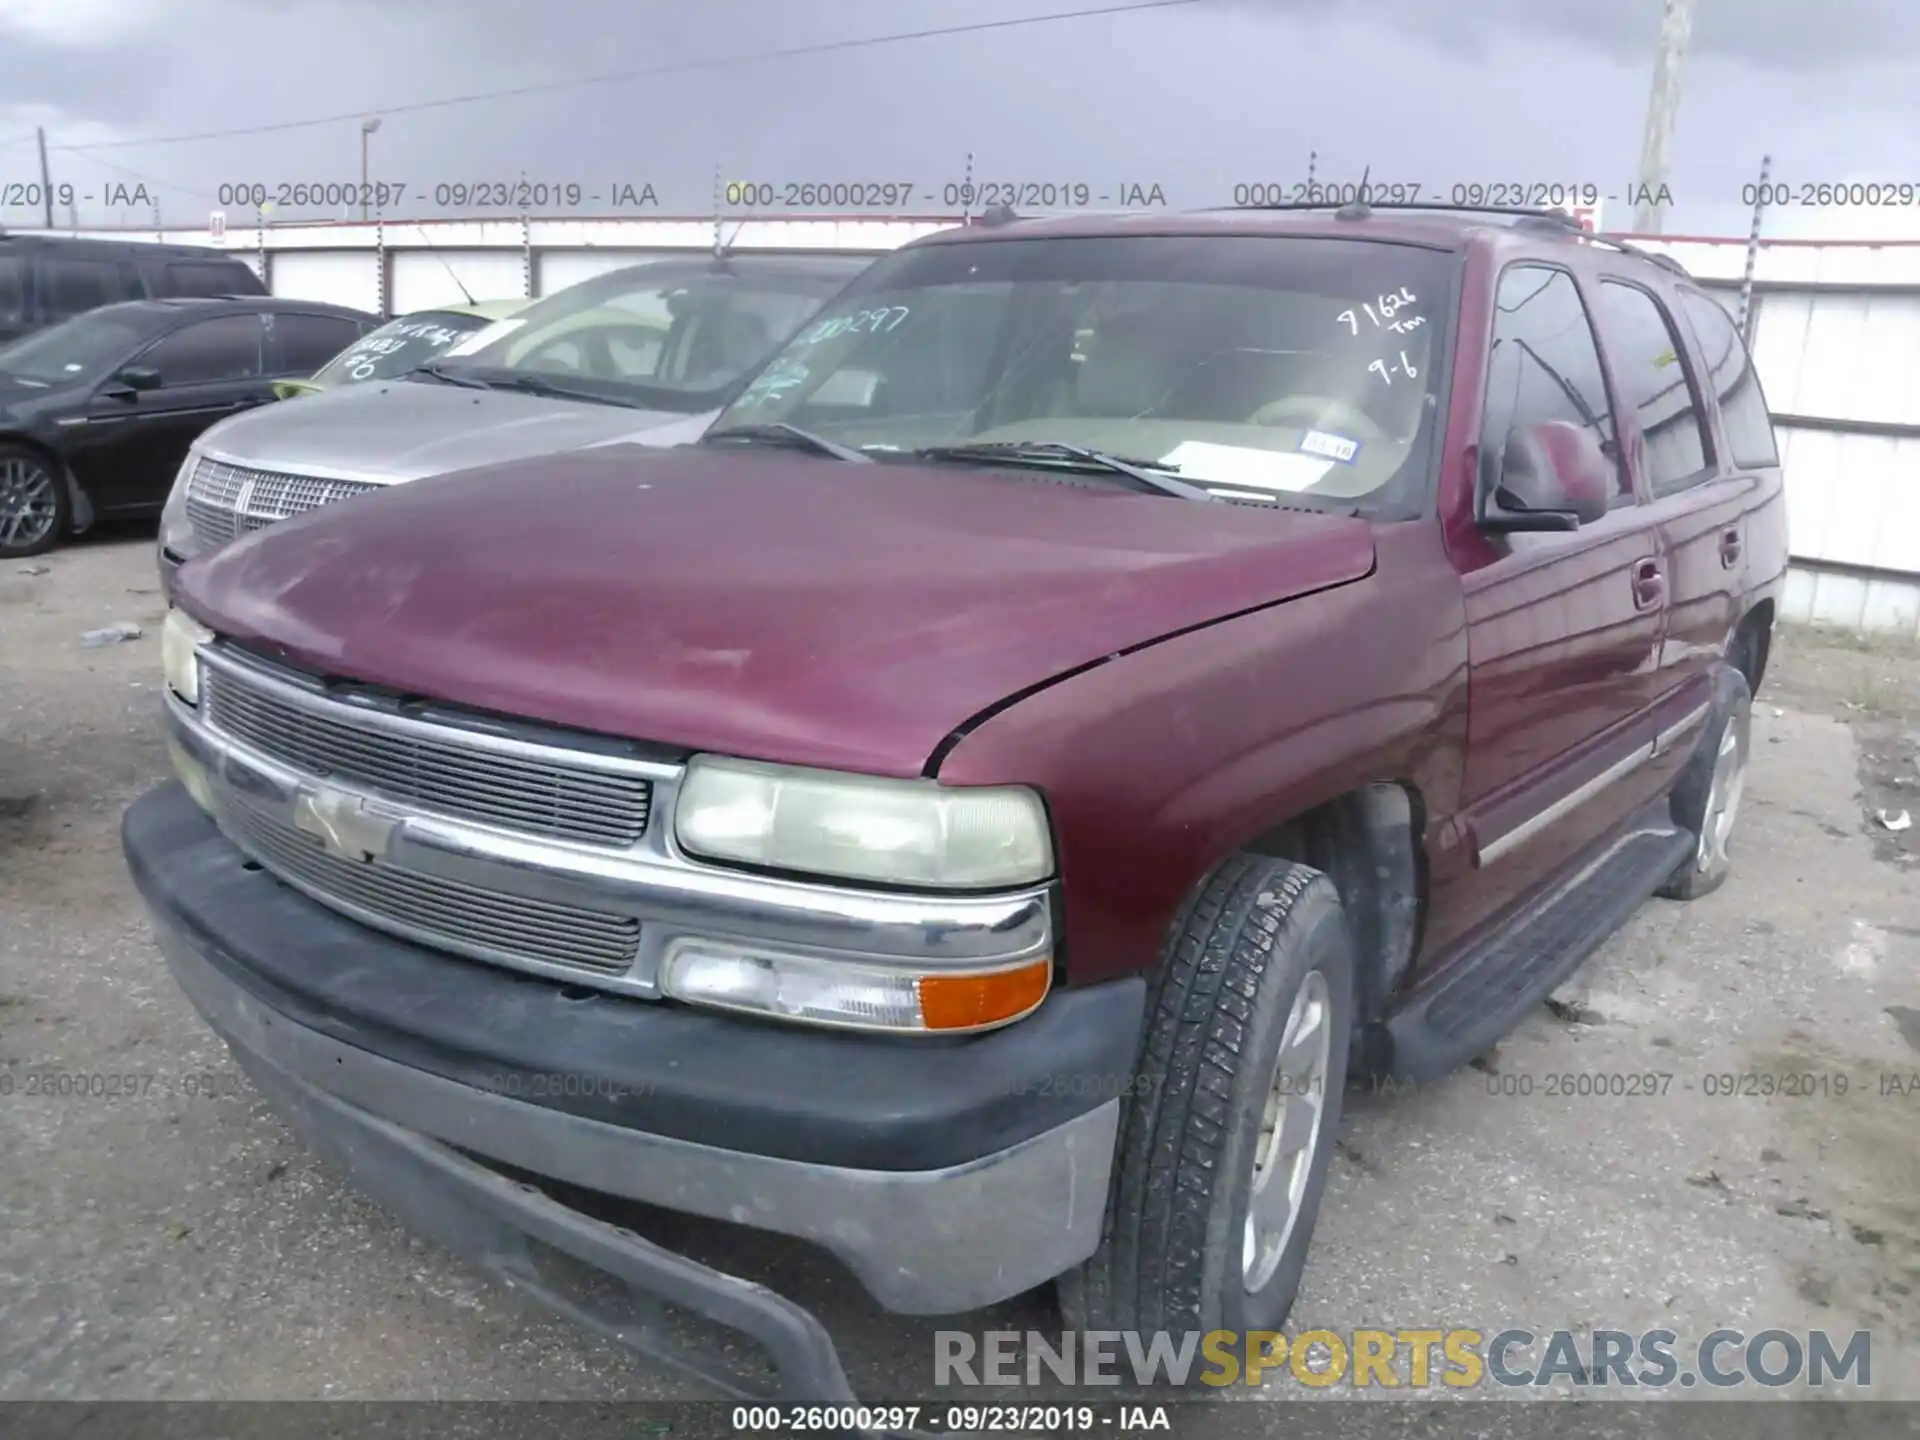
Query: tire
(36, 511)
(1262, 944)
(1706, 799)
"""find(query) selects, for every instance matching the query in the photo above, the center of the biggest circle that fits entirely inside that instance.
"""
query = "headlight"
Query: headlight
(180, 640)
(176, 530)
(899, 832)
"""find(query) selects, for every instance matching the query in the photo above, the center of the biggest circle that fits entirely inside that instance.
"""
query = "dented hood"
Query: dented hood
(758, 603)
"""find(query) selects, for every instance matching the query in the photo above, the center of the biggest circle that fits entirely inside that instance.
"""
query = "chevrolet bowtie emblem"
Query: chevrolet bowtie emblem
(343, 823)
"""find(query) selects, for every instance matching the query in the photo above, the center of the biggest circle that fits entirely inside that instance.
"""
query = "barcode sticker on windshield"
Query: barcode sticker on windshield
(1333, 447)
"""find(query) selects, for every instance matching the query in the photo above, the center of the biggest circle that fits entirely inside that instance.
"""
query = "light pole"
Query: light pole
(1656, 147)
(367, 127)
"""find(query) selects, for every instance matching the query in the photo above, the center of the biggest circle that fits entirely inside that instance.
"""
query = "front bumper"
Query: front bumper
(948, 1175)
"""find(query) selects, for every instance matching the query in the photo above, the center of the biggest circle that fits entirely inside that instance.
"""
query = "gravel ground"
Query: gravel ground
(179, 1244)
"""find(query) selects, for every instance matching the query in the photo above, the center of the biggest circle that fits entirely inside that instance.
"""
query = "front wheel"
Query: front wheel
(1223, 1154)
(1706, 798)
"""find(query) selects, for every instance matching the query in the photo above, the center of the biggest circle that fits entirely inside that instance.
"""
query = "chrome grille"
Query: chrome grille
(437, 911)
(225, 501)
(445, 774)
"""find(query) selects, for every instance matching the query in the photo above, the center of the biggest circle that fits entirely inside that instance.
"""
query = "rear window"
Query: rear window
(1743, 405)
(399, 346)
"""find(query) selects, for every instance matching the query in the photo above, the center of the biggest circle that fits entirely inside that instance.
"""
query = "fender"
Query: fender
(1159, 764)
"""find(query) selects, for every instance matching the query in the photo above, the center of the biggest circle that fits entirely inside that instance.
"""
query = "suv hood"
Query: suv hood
(392, 430)
(757, 603)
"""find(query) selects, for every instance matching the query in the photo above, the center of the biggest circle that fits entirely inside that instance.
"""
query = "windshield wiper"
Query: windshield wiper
(778, 432)
(448, 377)
(529, 384)
(1148, 477)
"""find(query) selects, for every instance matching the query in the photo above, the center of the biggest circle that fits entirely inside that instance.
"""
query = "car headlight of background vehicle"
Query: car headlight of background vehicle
(176, 530)
(181, 637)
(861, 827)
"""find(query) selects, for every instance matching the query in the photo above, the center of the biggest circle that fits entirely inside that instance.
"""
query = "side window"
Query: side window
(1544, 365)
(1743, 405)
(309, 341)
(13, 289)
(223, 349)
(206, 278)
(1652, 367)
(72, 287)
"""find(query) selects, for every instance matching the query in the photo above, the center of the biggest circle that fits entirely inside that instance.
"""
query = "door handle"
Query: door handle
(1649, 584)
(1729, 547)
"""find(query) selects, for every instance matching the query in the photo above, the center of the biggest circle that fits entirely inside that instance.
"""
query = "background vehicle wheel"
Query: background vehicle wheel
(35, 510)
(1223, 1151)
(1706, 799)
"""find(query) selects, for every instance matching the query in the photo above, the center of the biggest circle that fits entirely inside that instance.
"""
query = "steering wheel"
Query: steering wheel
(1313, 411)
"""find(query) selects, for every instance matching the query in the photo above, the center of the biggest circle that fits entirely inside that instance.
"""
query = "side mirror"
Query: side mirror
(139, 377)
(1551, 476)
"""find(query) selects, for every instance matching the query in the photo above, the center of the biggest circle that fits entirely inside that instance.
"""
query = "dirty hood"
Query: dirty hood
(392, 430)
(757, 603)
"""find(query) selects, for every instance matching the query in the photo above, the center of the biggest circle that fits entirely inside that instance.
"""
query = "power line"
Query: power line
(617, 76)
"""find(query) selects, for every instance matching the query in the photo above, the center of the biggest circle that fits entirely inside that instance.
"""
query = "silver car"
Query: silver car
(648, 354)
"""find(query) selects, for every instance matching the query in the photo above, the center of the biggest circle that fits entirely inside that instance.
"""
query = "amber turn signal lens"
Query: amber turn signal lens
(967, 1002)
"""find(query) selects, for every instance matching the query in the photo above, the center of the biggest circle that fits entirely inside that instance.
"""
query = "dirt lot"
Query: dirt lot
(179, 1244)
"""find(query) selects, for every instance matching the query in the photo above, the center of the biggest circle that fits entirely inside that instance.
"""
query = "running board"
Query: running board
(1487, 993)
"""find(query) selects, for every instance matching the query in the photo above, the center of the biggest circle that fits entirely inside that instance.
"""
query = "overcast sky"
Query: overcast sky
(1196, 98)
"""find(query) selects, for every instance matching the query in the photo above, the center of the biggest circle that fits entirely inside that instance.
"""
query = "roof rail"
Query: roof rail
(1557, 220)
(1360, 209)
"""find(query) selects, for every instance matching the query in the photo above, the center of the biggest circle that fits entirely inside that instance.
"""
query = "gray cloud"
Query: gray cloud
(1195, 99)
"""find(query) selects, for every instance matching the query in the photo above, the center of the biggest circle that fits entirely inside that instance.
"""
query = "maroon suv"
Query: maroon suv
(1105, 684)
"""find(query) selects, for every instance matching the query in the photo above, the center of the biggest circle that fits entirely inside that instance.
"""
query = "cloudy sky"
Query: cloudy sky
(1197, 98)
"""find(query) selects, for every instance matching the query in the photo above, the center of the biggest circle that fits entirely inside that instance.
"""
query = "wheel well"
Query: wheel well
(1752, 643)
(1367, 842)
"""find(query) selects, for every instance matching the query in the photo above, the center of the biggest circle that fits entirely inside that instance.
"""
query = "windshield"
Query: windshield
(1255, 366)
(75, 351)
(399, 346)
(662, 337)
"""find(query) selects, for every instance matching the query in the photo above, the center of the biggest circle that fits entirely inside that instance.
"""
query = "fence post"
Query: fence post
(380, 265)
(1747, 316)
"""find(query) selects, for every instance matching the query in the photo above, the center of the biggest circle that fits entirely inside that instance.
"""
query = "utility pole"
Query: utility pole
(1656, 150)
(46, 179)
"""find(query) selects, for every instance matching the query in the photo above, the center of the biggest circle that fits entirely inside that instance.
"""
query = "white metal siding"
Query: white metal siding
(1852, 499)
(342, 277)
(424, 278)
(1848, 356)
(557, 269)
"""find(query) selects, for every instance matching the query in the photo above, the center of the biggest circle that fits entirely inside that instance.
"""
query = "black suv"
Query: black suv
(45, 279)
(98, 412)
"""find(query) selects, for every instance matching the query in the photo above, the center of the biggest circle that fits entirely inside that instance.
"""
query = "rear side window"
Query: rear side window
(1544, 364)
(208, 350)
(71, 287)
(13, 290)
(1651, 365)
(309, 341)
(1743, 405)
